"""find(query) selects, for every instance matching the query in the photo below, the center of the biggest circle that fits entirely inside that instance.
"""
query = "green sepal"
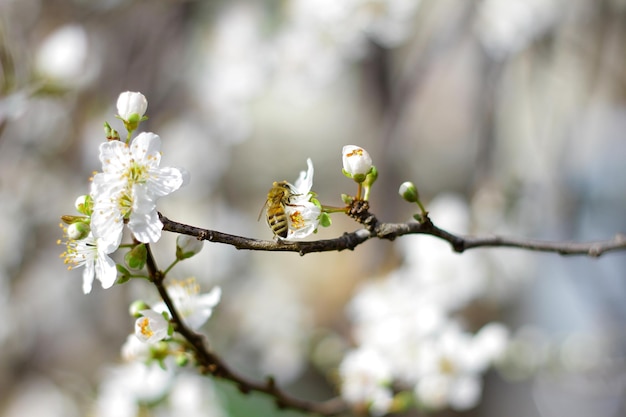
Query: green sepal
(371, 176)
(325, 220)
(70, 219)
(316, 202)
(122, 279)
(122, 270)
(359, 177)
(125, 274)
(347, 199)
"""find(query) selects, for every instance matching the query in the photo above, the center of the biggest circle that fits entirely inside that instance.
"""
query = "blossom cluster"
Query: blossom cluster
(406, 332)
(123, 194)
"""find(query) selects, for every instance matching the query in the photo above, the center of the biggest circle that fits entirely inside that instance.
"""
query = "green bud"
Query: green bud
(136, 307)
(110, 133)
(136, 257)
(346, 199)
(408, 191)
(160, 351)
(181, 360)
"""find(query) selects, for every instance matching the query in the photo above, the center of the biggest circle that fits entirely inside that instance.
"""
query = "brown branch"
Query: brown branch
(390, 231)
(212, 364)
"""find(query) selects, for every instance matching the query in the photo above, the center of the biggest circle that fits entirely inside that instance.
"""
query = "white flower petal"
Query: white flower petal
(88, 276)
(106, 271)
(146, 227)
(147, 148)
(304, 183)
(165, 181)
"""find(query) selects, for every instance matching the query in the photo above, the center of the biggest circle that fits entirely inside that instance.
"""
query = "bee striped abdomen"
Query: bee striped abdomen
(278, 224)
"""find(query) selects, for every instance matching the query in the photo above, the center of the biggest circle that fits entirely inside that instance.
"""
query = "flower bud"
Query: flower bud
(136, 258)
(408, 191)
(110, 133)
(181, 360)
(131, 106)
(187, 246)
(78, 230)
(357, 163)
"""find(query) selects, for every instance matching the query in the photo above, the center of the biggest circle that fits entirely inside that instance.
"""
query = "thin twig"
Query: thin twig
(212, 364)
(390, 231)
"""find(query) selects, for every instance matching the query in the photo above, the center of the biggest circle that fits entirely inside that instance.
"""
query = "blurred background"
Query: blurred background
(512, 112)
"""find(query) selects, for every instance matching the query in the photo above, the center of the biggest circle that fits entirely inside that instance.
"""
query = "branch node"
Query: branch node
(204, 235)
(359, 211)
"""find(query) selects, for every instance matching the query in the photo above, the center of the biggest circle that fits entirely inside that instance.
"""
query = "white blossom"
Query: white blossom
(366, 378)
(128, 187)
(151, 327)
(302, 214)
(195, 308)
(93, 254)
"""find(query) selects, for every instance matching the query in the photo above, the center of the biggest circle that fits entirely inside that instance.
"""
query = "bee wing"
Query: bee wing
(262, 210)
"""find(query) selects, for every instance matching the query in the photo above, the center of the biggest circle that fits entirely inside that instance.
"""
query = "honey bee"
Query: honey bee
(278, 197)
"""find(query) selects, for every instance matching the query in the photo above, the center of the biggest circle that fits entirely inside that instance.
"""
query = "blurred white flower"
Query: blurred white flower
(124, 387)
(134, 349)
(409, 317)
(438, 391)
(505, 27)
(63, 57)
(128, 188)
(194, 396)
(194, 308)
(365, 380)
(451, 363)
(151, 327)
(279, 350)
